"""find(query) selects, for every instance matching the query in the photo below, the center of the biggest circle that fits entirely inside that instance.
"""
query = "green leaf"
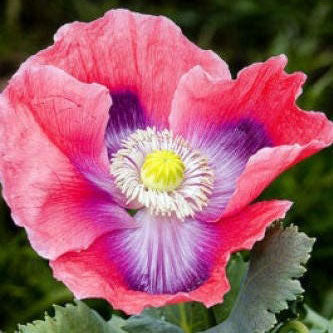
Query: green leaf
(71, 318)
(80, 318)
(275, 264)
(149, 324)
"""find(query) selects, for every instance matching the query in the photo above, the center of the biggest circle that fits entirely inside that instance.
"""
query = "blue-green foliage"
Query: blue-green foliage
(242, 32)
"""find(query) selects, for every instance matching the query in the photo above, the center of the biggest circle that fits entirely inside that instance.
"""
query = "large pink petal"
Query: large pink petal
(52, 127)
(95, 272)
(127, 51)
(72, 115)
(263, 94)
(263, 167)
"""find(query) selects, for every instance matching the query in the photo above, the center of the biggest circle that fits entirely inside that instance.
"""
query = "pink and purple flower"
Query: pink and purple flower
(124, 113)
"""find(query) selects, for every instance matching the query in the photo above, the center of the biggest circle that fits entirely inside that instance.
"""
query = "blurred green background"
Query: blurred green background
(241, 31)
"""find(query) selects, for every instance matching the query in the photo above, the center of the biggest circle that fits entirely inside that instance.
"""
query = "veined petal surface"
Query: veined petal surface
(113, 271)
(130, 52)
(262, 94)
(52, 128)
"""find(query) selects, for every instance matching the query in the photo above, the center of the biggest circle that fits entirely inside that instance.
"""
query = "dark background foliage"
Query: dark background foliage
(241, 31)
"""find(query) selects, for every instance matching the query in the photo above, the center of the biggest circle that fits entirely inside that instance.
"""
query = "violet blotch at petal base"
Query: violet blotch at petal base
(228, 147)
(126, 115)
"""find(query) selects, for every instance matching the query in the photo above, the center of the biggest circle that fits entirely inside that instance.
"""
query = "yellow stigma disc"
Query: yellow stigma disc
(162, 170)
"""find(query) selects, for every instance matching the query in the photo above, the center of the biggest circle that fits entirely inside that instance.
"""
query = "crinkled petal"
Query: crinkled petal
(127, 51)
(262, 94)
(111, 270)
(72, 115)
(51, 128)
(71, 118)
(263, 167)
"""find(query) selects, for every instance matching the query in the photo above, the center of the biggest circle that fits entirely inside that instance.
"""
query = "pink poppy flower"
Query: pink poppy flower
(126, 113)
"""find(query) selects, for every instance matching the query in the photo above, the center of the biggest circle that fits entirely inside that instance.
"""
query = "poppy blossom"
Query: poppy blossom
(124, 115)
